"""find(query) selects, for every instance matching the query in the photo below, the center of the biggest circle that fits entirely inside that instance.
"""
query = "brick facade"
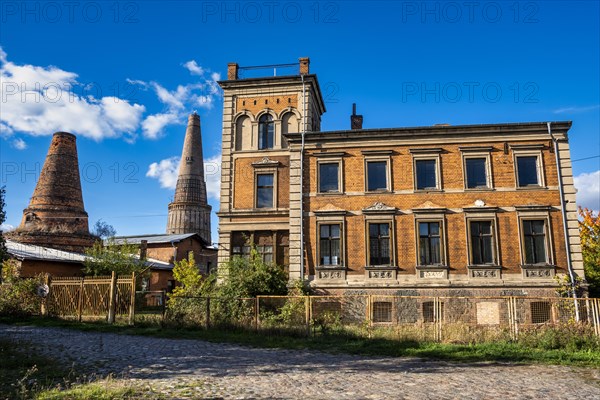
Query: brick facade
(506, 208)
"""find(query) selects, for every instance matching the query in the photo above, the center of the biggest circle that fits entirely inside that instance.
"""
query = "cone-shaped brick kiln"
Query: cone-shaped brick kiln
(189, 212)
(56, 217)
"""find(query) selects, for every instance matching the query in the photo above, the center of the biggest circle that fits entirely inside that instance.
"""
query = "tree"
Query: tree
(251, 277)
(3, 250)
(191, 281)
(103, 230)
(103, 259)
(589, 231)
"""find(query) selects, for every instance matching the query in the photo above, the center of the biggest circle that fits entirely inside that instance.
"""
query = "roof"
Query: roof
(154, 238)
(437, 130)
(24, 251)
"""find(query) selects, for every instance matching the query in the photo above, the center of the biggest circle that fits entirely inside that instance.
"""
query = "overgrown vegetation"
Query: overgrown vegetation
(231, 292)
(18, 296)
(559, 345)
(103, 258)
(589, 230)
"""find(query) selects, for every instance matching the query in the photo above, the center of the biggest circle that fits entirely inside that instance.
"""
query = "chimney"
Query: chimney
(304, 65)
(56, 217)
(356, 121)
(232, 71)
(143, 249)
(189, 212)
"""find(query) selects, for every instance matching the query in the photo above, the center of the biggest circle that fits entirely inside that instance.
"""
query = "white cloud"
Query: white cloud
(153, 126)
(212, 176)
(42, 100)
(193, 67)
(19, 144)
(6, 227)
(166, 172)
(588, 190)
(573, 110)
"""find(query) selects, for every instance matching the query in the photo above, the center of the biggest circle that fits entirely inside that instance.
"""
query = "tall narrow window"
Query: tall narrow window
(534, 237)
(329, 177)
(426, 174)
(264, 191)
(379, 244)
(377, 175)
(476, 173)
(481, 242)
(430, 250)
(527, 171)
(329, 246)
(266, 253)
(265, 132)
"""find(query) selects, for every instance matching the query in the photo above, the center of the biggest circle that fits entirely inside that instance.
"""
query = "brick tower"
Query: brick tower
(190, 212)
(56, 217)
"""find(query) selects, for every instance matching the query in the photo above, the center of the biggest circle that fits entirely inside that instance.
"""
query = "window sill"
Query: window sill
(480, 189)
(329, 193)
(531, 188)
(429, 190)
(378, 191)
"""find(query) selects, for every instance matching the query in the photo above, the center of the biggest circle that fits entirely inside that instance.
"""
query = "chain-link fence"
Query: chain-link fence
(411, 317)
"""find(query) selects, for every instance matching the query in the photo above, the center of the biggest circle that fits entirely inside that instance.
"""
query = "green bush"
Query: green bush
(18, 296)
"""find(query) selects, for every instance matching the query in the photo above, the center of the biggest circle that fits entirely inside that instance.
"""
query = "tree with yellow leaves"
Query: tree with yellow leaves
(589, 230)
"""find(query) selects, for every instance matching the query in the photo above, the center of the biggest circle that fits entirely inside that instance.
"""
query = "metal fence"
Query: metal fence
(431, 318)
(91, 297)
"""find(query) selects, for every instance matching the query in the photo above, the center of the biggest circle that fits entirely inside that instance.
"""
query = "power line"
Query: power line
(586, 158)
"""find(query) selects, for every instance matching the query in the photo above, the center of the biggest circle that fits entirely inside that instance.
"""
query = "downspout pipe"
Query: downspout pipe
(302, 179)
(564, 219)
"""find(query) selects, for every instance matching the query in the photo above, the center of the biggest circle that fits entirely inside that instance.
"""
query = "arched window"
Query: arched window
(289, 124)
(243, 134)
(265, 132)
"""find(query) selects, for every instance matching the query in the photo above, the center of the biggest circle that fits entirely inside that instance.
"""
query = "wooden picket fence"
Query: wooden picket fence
(91, 297)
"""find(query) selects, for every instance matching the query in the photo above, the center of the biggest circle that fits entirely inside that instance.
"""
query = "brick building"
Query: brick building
(164, 250)
(471, 209)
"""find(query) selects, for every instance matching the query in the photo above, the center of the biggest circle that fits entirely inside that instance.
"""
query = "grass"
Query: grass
(27, 375)
(537, 347)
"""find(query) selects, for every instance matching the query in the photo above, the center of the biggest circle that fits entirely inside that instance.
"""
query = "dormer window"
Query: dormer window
(265, 132)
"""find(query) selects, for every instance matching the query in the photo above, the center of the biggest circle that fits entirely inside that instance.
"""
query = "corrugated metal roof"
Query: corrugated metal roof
(152, 238)
(33, 252)
(24, 251)
(158, 238)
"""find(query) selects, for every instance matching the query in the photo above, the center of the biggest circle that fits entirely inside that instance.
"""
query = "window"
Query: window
(476, 173)
(265, 132)
(426, 174)
(540, 312)
(264, 191)
(329, 246)
(482, 239)
(379, 244)
(534, 237)
(430, 250)
(528, 171)
(242, 251)
(266, 253)
(382, 311)
(430, 314)
(376, 175)
(329, 177)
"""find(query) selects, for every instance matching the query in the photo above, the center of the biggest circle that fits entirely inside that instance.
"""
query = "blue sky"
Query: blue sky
(124, 75)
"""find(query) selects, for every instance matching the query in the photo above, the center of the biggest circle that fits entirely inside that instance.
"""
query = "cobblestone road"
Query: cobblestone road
(197, 369)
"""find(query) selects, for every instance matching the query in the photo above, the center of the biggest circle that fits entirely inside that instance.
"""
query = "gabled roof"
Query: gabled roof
(22, 251)
(155, 238)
